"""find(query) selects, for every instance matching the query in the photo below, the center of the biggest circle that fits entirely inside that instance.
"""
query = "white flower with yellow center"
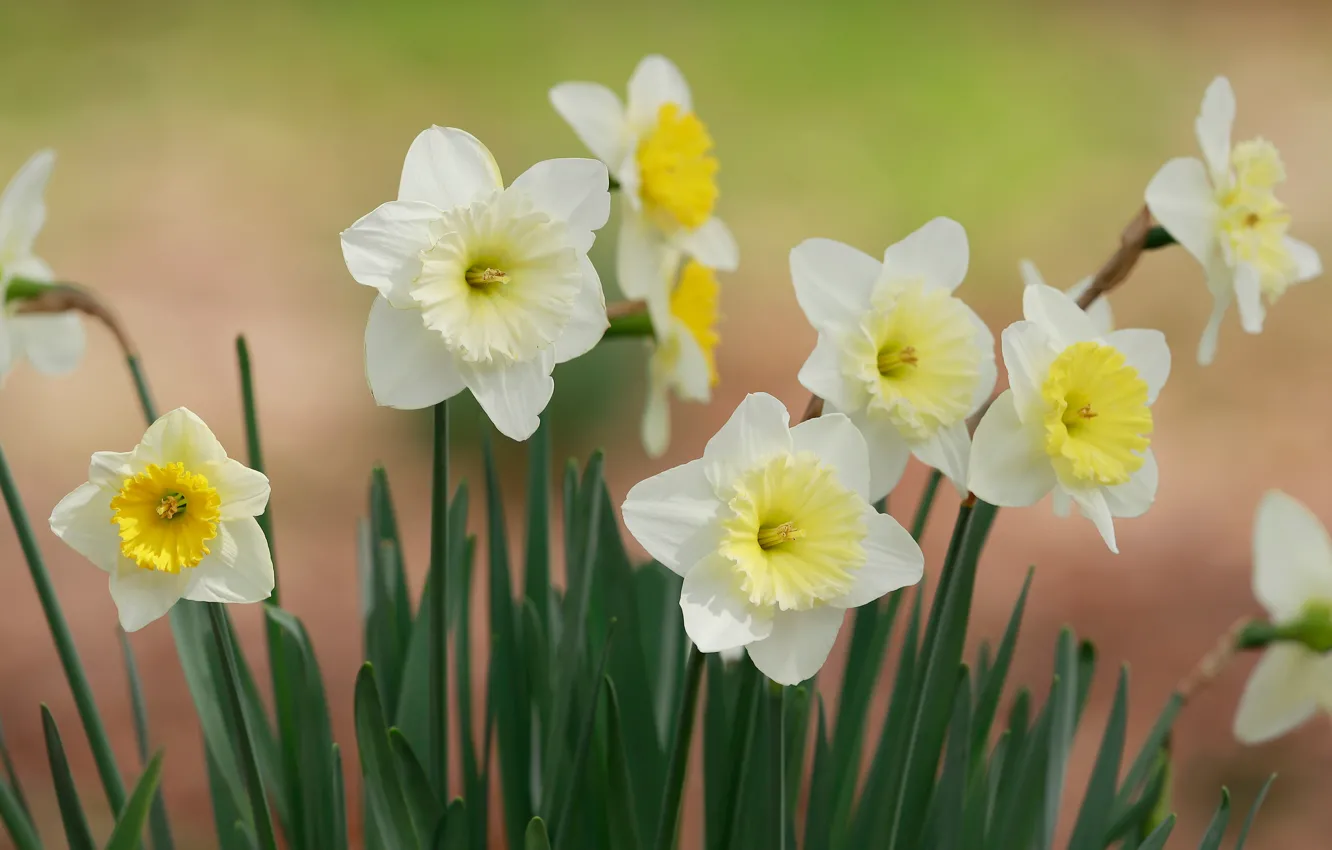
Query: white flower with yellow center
(661, 154)
(1102, 317)
(683, 358)
(173, 519)
(52, 342)
(1077, 416)
(897, 352)
(774, 536)
(480, 287)
(1292, 579)
(1226, 214)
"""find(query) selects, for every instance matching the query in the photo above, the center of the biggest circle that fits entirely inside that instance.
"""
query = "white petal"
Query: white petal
(656, 81)
(833, 283)
(571, 190)
(644, 261)
(512, 395)
(838, 444)
(243, 491)
(1135, 497)
(383, 249)
(142, 596)
(1009, 467)
(656, 427)
(178, 436)
(83, 520)
(238, 569)
(1147, 352)
(799, 644)
(712, 245)
(1221, 300)
(1031, 276)
(1292, 556)
(1249, 298)
(1061, 502)
(448, 168)
(937, 254)
(110, 469)
(888, 452)
(822, 373)
(587, 324)
(52, 342)
(1308, 264)
(407, 364)
(1280, 695)
(1028, 353)
(1213, 126)
(948, 451)
(716, 615)
(1056, 314)
(668, 509)
(757, 431)
(693, 378)
(987, 372)
(23, 205)
(1181, 198)
(892, 560)
(1092, 504)
(597, 118)
(1102, 318)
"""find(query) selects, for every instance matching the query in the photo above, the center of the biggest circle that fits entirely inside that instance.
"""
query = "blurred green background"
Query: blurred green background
(210, 153)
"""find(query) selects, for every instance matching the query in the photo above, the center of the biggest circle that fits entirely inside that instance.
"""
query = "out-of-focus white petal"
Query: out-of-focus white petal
(1249, 298)
(656, 81)
(23, 205)
(1280, 695)
(1008, 466)
(142, 596)
(822, 373)
(53, 342)
(597, 118)
(1055, 313)
(947, 450)
(717, 615)
(666, 510)
(839, 445)
(448, 168)
(407, 365)
(1136, 496)
(587, 324)
(571, 190)
(1028, 353)
(383, 249)
(937, 254)
(712, 244)
(1220, 283)
(888, 452)
(758, 430)
(1061, 502)
(1292, 557)
(892, 560)
(833, 283)
(1147, 352)
(1031, 276)
(1092, 504)
(1213, 127)
(1182, 199)
(1308, 265)
(644, 261)
(512, 395)
(693, 377)
(656, 427)
(799, 644)
(83, 520)
(239, 567)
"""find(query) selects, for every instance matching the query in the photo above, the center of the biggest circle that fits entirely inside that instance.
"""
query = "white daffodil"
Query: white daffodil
(52, 342)
(1225, 213)
(897, 352)
(480, 287)
(683, 357)
(1099, 312)
(774, 536)
(1077, 416)
(1292, 579)
(173, 519)
(661, 154)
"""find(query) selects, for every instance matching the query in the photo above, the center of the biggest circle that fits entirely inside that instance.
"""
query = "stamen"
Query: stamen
(890, 360)
(1252, 219)
(480, 276)
(1086, 412)
(171, 505)
(769, 537)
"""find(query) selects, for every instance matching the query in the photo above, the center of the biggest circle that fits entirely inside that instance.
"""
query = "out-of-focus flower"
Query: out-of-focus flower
(173, 519)
(1099, 312)
(900, 355)
(1225, 213)
(661, 154)
(52, 342)
(480, 287)
(774, 536)
(1292, 578)
(683, 357)
(1077, 416)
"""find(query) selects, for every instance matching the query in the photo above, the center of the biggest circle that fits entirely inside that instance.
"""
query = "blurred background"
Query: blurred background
(210, 153)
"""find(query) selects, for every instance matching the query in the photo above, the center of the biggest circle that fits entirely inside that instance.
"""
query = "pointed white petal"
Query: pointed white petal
(757, 430)
(822, 373)
(243, 491)
(1308, 265)
(656, 81)
(1213, 126)
(1031, 276)
(1182, 200)
(937, 254)
(799, 644)
(1280, 695)
(1008, 465)
(1061, 502)
(888, 452)
(1292, 556)
(239, 567)
(570, 190)
(1056, 314)
(597, 118)
(1028, 353)
(1102, 318)
(833, 283)
(716, 615)
(23, 205)
(1092, 504)
(448, 168)
(587, 324)
(383, 249)
(512, 395)
(110, 469)
(1135, 497)
(178, 437)
(142, 596)
(712, 245)
(988, 370)
(892, 560)
(52, 342)
(1147, 352)
(949, 451)
(668, 509)
(839, 445)
(1223, 294)
(1249, 298)
(407, 364)
(656, 427)
(692, 378)
(83, 520)
(644, 262)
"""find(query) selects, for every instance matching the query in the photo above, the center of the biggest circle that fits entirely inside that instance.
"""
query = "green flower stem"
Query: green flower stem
(669, 820)
(141, 388)
(926, 503)
(255, 451)
(98, 741)
(21, 289)
(254, 785)
(438, 584)
(633, 324)
(1157, 237)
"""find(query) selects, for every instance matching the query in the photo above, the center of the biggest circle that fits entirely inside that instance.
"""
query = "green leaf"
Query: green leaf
(77, 834)
(16, 820)
(158, 825)
(452, 832)
(1157, 839)
(226, 810)
(741, 751)
(1147, 755)
(474, 787)
(987, 699)
(926, 504)
(1089, 832)
(948, 804)
(536, 838)
(1132, 821)
(574, 779)
(1063, 708)
(377, 765)
(255, 451)
(669, 817)
(1086, 664)
(15, 788)
(718, 720)
(536, 576)
(339, 815)
(1253, 812)
(387, 611)
(620, 808)
(1216, 830)
(437, 671)
(132, 818)
(1019, 806)
(818, 811)
(424, 806)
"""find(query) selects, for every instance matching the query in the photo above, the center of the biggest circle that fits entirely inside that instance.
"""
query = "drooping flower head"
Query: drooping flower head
(900, 355)
(1077, 417)
(480, 287)
(1225, 212)
(683, 359)
(773, 534)
(173, 519)
(660, 152)
(52, 342)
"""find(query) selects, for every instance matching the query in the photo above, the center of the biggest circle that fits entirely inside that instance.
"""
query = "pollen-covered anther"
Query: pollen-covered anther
(770, 536)
(171, 505)
(891, 360)
(482, 276)
(1086, 412)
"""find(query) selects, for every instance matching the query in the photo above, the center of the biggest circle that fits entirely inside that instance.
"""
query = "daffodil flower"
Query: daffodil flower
(173, 519)
(774, 536)
(1077, 416)
(683, 357)
(1225, 213)
(661, 154)
(52, 342)
(1102, 317)
(480, 287)
(1292, 579)
(900, 355)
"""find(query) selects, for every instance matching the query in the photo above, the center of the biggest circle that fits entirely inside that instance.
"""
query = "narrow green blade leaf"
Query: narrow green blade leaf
(536, 838)
(77, 834)
(255, 450)
(818, 812)
(536, 576)
(1216, 830)
(1147, 756)
(473, 788)
(339, 802)
(1253, 812)
(377, 765)
(437, 673)
(926, 504)
(945, 821)
(425, 808)
(15, 788)
(226, 810)
(987, 700)
(130, 823)
(1064, 697)
(741, 752)
(1086, 664)
(574, 779)
(620, 806)
(669, 817)
(451, 834)
(16, 821)
(158, 825)
(1089, 832)
(1157, 839)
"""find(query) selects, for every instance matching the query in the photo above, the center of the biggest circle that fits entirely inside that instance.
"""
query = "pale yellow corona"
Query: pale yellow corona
(677, 169)
(1097, 422)
(1253, 221)
(167, 516)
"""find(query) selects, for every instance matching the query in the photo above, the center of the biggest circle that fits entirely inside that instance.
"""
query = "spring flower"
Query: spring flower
(1226, 214)
(683, 357)
(52, 342)
(661, 154)
(897, 352)
(173, 519)
(1077, 416)
(1102, 318)
(1292, 579)
(480, 287)
(774, 536)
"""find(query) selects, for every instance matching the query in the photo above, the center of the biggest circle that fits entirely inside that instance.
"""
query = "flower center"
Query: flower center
(166, 516)
(677, 169)
(894, 361)
(694, 304)
(1097, 423)
(794, 533)
(1253, 221)
(481, 276)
